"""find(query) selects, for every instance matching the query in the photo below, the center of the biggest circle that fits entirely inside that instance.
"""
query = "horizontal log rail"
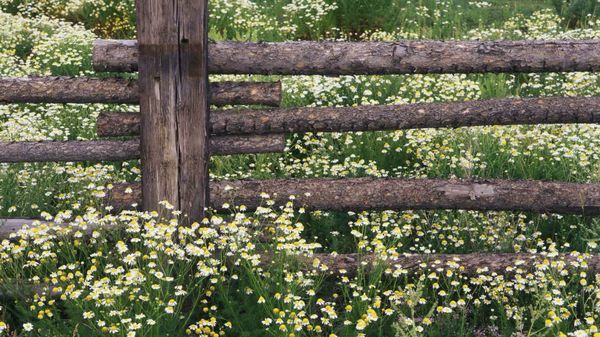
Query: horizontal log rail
(356, 194)
(472, 264)
(412, 263)
(383, 117)
(469, 264)
(69, 151)
(120, 90)
(115, 150)
(12, 226)
(356, 58)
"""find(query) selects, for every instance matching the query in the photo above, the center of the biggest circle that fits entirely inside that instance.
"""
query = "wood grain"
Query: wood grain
(173, 38)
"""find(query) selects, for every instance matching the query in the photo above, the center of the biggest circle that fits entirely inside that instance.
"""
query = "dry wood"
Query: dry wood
(399, 194)
(174, 99)
(115, 55)
(245, 93)
(247, 144)
(384, 117)
(115, 124)
(469, 264)
(120, 90)
(69, 151)
(109, 150)
(401, 57)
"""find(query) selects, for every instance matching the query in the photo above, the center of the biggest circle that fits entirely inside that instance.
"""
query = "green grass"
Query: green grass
(541, 152)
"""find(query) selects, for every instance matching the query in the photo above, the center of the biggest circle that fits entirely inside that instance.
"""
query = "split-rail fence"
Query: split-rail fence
(174, 133)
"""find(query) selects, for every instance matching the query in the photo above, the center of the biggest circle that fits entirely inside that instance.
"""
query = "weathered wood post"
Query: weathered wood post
(172, 36)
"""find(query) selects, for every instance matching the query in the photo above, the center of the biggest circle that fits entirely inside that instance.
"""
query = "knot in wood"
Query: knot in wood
(488, 49)
(401, 51)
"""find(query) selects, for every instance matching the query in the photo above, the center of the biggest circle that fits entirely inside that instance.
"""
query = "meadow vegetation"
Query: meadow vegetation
(140, 274)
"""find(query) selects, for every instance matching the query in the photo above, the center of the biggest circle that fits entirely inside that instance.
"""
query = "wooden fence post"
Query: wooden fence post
(173, 59)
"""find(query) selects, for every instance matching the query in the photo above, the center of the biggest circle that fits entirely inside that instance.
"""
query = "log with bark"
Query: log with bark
(469, 264)
(357, 194)
(509, 111)
(114, 150)
(120, 90)
(413, 265)
(69, 151)
(350, 58)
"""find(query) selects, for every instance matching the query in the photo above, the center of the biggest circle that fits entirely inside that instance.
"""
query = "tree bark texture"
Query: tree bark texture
(69, 151)
(357, 194)
(114, 150)
(115, 55)
(115, 124)
(469, 264)
(383, 117)
(375, 58)
(247, 144)
(120, 90)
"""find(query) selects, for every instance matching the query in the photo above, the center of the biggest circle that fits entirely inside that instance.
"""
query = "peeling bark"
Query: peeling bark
(119, 90)
(357, 194)
(355, 58)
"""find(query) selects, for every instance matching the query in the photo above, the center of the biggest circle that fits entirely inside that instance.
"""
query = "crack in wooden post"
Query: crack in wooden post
(172, 36)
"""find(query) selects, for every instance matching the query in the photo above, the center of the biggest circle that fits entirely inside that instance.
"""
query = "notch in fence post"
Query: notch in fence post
(173, 67)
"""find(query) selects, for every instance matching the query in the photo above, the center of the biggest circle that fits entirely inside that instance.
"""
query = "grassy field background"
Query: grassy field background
(53, 37)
